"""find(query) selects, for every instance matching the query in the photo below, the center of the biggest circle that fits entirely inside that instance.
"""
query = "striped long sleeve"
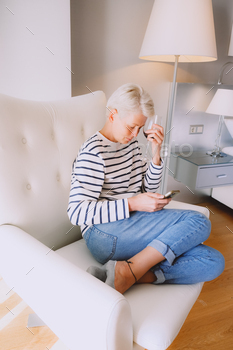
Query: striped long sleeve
(152, 178)
(85, 207)
(104, 175)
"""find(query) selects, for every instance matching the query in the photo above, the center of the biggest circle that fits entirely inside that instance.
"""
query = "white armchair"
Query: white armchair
(38, 143)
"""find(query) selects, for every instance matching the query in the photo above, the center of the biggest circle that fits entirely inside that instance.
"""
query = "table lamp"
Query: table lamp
(179, 30)
(222, 105)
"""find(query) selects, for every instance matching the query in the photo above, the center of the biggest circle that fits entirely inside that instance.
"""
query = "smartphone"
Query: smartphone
(171, 194)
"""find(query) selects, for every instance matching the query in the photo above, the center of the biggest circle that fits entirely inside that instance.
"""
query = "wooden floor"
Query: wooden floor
(14, 334)
(209, 325)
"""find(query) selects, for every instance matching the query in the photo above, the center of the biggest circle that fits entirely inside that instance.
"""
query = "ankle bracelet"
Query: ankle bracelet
(130, 262)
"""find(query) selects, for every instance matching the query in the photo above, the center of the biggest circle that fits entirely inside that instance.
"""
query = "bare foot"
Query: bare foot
(149, 277)
(123, 277)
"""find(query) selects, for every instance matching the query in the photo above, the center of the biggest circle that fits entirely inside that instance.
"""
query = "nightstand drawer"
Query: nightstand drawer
(214, 176)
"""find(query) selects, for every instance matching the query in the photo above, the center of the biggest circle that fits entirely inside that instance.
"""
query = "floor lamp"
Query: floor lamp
(230, 53)
(179, 31)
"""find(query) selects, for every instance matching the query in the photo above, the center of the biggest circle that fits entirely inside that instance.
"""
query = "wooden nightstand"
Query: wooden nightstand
(199, 170)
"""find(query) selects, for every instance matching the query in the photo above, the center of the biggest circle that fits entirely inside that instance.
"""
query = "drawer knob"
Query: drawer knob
(221, 176)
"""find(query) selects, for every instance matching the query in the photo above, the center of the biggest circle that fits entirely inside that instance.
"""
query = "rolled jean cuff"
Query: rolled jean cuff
(159, 275)
(163, 249)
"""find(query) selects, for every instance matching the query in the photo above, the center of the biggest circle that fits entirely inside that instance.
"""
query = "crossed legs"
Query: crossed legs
(163, 247)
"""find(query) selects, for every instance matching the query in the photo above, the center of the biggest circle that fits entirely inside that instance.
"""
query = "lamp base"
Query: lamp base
(216, 154)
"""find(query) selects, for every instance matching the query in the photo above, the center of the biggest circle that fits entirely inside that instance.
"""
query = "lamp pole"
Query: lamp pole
(168, 128)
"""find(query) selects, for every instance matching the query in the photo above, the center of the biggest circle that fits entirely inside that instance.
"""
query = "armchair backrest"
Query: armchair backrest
(38, 144)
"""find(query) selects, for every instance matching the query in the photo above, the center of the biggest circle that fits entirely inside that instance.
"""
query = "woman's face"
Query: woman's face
(128, 127)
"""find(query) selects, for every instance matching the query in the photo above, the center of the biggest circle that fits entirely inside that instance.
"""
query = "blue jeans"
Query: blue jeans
(176, 234)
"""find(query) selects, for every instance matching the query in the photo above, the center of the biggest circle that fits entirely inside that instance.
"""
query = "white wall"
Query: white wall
(106, 38)
(28, 69)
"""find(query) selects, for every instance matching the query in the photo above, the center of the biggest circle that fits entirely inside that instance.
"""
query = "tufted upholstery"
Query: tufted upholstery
(38, 143)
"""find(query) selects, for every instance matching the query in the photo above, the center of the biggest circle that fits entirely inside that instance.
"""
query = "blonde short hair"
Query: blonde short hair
(131, 98)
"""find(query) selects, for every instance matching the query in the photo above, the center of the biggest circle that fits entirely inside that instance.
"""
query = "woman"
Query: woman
(113, 199)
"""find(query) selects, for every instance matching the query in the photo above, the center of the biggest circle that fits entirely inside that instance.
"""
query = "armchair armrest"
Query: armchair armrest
(81, 310)
(181, 205)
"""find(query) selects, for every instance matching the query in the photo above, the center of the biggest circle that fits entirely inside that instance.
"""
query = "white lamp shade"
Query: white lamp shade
(230, 52)
(222, 103)
(180, 27)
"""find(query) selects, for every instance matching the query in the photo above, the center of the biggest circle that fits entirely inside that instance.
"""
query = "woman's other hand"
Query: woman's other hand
(156, 137)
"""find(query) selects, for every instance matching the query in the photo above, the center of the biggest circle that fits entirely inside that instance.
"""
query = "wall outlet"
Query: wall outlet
(196, 129)
(192, 129)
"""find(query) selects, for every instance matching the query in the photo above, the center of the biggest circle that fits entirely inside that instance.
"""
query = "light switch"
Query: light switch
(200, 129)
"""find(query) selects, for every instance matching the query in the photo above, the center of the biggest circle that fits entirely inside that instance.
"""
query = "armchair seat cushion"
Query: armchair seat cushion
(158, 311)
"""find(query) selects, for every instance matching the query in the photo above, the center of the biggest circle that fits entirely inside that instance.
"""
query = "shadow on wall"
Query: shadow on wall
(106, 37)
(88, 42)
(192, 101)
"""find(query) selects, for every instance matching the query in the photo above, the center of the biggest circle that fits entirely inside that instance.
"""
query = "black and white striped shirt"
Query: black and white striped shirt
(104, 175)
